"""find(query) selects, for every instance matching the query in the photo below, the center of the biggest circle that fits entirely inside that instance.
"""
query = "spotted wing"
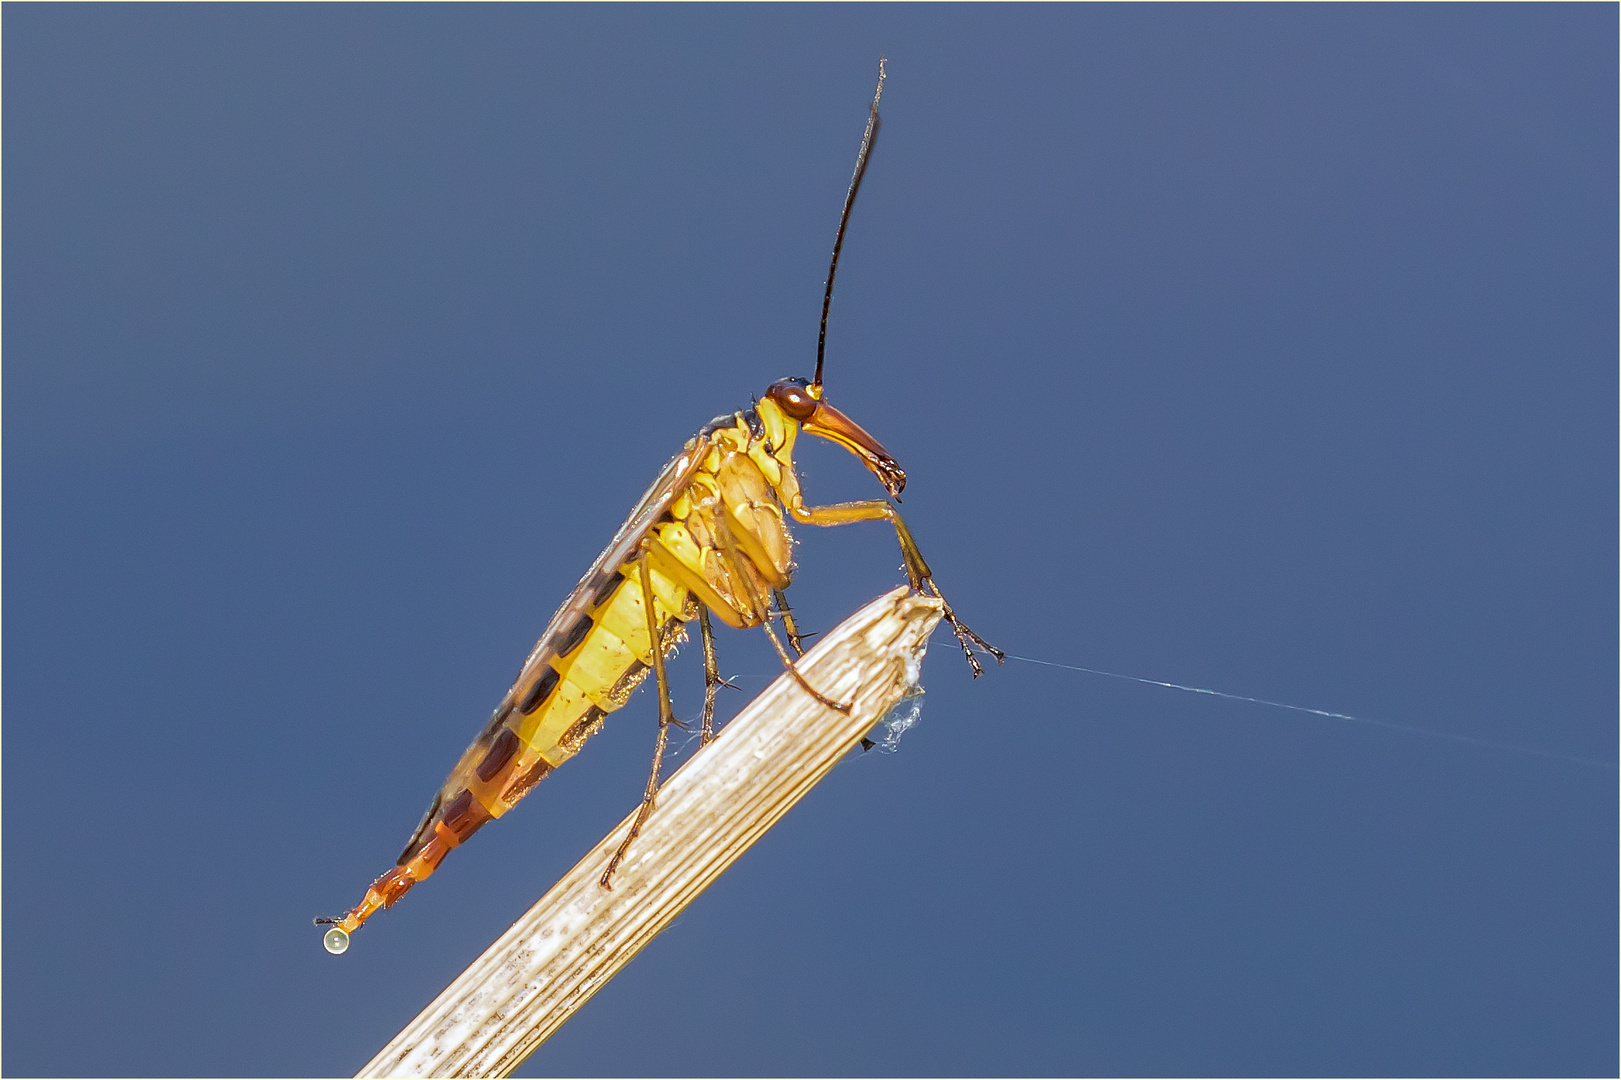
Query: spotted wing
(621, 549)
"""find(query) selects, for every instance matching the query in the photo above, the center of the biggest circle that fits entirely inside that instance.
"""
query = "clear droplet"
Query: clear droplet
(336, 940)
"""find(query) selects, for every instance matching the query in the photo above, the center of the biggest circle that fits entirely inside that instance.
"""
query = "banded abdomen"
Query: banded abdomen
(594, 665)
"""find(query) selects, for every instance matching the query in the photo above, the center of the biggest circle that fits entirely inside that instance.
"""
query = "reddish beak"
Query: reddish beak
(829, 423)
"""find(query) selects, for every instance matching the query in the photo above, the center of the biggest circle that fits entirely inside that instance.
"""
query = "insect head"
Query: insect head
(801, 401)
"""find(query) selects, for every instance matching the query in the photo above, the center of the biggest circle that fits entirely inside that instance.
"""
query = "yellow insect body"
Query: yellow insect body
(710, 535)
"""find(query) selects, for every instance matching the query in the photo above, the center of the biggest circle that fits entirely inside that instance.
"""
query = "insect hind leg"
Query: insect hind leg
(666, 718)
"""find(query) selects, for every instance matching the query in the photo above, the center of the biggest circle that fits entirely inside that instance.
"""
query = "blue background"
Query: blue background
(1267, 349)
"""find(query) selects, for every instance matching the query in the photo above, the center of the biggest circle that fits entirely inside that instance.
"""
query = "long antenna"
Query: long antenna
(867, 139)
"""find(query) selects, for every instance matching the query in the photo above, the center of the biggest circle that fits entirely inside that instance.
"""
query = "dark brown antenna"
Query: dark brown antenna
(867, 139)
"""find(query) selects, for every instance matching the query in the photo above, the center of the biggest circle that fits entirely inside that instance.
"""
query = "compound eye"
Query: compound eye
(793, 398)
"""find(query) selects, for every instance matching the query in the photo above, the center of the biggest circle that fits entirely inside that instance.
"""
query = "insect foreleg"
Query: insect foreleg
(965, 636)
(666, 718)
(917, 571)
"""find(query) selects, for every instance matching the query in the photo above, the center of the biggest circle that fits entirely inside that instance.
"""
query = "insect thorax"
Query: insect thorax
(726, 537)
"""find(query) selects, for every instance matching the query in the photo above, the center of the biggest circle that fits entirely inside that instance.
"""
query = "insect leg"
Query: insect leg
(734, 560)
(666, 718)
(958, 627)
(917, 571)
(712, 679)
(788, 662)
(796, 640)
